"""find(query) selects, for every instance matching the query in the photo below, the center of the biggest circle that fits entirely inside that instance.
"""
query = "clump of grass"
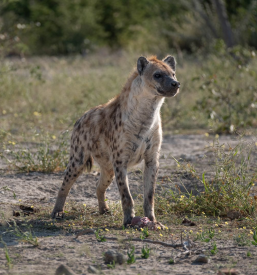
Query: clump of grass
(99, 237)
(50, 154)
(242, 239)
(6, 252)
(112, 265)
(145, 252)
(229, 189)
(145, 233)
(254, 242)
(131, 256)
(206, 236)
(26, 237)
(214, 249)
(171, 261)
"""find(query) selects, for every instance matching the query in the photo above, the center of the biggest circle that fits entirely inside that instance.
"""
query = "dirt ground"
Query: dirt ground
(61, 247)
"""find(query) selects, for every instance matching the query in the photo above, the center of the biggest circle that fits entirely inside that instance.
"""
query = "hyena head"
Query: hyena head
(158, 77)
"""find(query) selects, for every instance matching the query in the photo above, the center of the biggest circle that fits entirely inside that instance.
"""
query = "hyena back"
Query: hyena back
(122, 133)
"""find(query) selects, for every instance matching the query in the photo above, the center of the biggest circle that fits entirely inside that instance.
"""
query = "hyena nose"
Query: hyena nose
(175, 84)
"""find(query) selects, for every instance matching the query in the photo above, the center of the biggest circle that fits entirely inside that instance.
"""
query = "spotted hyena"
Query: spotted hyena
(122, 133)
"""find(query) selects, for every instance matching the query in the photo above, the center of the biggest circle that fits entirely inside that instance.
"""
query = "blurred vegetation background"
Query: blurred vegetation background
(52, 27)
(60, 58)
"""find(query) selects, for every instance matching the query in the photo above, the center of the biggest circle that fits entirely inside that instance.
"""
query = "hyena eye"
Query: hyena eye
(157, 76)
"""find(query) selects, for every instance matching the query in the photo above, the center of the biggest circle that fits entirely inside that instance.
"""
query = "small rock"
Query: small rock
(227, 271)
(121, 258)
(202, 259)
(117, 257)
(92, 269)
(233, 214)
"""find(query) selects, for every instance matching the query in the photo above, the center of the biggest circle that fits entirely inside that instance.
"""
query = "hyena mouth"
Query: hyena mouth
(171, 93)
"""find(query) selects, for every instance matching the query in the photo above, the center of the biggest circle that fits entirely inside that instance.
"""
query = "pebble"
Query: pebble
(92, 269)
(112, 255)
(202, 259)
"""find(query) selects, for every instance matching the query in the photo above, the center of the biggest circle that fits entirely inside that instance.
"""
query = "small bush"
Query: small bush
(229, 189)
(229, 92)
(50, 156)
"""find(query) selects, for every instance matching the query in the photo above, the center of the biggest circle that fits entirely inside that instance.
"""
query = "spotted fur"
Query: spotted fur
(122, 133)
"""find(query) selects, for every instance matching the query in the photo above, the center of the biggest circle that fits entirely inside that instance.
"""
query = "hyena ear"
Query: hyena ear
(170, 60)
(141, 64)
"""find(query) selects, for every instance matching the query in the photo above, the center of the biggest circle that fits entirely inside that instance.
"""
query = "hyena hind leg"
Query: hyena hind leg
(73, 171)
(105, 180)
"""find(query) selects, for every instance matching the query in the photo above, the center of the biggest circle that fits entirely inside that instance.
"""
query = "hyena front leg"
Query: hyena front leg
(150, 174)
(73, 171)
(126, 198)
(103, 183)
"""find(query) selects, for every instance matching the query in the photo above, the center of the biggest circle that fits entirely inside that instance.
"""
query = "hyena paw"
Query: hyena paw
(57, 215)
(128, 219)
(105, 210)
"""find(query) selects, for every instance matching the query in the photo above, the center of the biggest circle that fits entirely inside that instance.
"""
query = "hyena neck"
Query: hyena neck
(143, 108)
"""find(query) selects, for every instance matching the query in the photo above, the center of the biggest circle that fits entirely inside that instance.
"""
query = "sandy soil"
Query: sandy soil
(58, 247)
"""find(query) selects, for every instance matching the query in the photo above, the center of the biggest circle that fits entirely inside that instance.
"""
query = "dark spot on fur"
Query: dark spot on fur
(69, 176)
(81, 156)
(134, 147)
(85, 137)
(118, 162)
(138, 136)
(73, 164)
(120, 123)
(147, 140)
(116, 127)
(62, 189)
(118, 154)
(75, 175)
(120, 183)
(148, 146)
(121, 151)
(123, 196)
(150, 197)
(117, 169)
(76, 148)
